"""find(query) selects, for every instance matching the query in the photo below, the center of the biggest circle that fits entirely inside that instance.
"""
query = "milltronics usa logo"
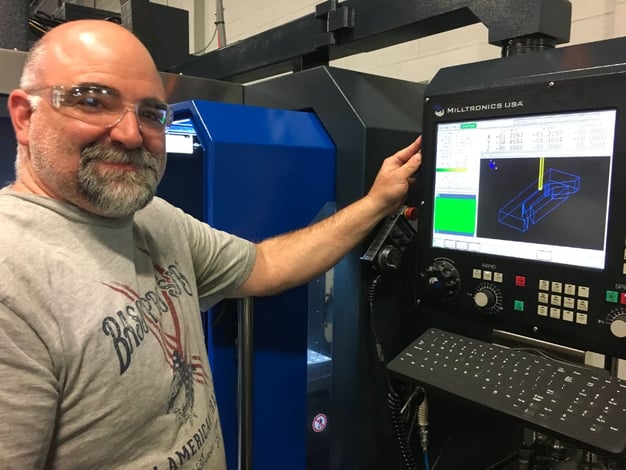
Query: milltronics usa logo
(440, 111)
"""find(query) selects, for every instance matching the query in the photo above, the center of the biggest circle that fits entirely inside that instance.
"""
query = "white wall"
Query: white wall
(419, 60)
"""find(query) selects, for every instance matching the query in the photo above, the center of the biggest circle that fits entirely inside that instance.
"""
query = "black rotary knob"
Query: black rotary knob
(485, 298)
(442, 279)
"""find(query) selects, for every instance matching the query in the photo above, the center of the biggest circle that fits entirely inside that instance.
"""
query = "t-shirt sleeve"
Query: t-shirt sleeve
(221, 261)
(29, 394)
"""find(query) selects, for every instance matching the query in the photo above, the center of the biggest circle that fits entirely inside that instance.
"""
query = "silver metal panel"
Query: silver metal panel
(177, 87)
(11, 63)
(183, 88)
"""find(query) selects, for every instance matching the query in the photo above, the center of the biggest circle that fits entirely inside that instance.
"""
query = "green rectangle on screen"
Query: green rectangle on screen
(455, 215)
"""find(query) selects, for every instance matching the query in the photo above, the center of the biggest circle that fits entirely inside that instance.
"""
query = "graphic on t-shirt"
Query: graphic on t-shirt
(156, 312)
(182, 380)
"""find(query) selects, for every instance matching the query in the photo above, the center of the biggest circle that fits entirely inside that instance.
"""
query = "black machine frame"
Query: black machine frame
(339, 29)
(576, 78)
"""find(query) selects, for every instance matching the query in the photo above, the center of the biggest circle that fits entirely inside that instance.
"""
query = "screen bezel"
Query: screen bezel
(581, 94)
(582, 245)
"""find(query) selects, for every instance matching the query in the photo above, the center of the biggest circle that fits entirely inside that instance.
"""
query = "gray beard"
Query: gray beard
(115, 192)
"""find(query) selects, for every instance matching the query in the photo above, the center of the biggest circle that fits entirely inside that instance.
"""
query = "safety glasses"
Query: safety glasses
(102, 106)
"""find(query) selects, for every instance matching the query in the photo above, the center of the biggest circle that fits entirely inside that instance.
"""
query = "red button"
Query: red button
(520, 281)
(622, 298)
(410, 213)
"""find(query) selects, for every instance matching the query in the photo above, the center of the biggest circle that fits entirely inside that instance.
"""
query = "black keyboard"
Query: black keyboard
(585, 405)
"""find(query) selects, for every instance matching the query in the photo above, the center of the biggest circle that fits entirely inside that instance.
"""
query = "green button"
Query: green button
(518, 305)
(612, 296)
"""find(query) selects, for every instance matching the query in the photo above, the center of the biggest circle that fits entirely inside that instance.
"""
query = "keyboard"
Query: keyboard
(584, 405)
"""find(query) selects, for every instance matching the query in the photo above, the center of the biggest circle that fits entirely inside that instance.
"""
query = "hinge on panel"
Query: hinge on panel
(336, 19)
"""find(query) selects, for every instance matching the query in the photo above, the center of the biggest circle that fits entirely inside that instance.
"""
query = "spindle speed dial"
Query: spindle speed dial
(487, 298)
(617, 323)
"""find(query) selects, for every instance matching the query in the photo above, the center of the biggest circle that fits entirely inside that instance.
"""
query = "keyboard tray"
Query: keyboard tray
(578, 403)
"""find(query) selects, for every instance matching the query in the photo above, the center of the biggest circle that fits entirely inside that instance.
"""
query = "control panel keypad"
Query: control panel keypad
(563, 301)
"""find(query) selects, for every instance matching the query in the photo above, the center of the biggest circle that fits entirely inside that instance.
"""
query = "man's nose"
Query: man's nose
(127, 130)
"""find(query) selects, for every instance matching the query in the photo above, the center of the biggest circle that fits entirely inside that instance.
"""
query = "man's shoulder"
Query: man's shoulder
(158, 211)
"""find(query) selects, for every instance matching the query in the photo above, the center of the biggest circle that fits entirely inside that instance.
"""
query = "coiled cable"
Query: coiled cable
(394, 401)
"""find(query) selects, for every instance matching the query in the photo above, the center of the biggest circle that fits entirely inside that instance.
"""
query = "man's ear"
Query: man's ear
(20, 111)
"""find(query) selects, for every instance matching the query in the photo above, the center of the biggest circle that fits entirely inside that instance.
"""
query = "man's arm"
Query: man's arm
(294, 258)
(28, 394)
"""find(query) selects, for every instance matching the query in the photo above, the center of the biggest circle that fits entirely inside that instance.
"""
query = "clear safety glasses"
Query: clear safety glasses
(102, 106)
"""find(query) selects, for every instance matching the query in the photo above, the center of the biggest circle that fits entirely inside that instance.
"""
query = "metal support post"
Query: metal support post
(244, 384)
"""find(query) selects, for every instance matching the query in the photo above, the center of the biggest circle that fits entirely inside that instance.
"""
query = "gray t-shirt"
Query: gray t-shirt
(103, 363)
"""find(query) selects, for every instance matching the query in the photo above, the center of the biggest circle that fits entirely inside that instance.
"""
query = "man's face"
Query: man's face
(82, 164)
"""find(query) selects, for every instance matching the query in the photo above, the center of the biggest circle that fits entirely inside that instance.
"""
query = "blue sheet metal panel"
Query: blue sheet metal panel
(267, 171)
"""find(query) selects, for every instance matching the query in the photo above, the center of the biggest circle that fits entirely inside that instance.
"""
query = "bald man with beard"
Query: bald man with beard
(102, 355)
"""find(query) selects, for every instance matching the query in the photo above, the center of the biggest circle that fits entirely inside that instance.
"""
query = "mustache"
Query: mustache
(99, 152)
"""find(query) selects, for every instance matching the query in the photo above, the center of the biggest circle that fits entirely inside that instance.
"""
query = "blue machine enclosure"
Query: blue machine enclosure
(259, 172)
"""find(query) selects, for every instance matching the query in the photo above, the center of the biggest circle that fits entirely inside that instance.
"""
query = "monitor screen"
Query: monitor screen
(530, 187)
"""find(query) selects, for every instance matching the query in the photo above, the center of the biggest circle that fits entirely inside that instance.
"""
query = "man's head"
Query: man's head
(89, 119)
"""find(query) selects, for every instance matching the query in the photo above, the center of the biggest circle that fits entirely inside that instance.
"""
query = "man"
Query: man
(101, 352)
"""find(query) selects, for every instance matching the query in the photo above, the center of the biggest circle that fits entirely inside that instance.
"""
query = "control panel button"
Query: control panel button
(581, 318)
(570, 289)
(611, 296)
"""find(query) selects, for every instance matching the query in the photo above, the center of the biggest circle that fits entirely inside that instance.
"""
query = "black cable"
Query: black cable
(394, 401)
(379, 350)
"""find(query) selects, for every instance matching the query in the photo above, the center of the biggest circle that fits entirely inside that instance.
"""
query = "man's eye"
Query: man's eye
(88, 103)
(154, 115)
(91, 103)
